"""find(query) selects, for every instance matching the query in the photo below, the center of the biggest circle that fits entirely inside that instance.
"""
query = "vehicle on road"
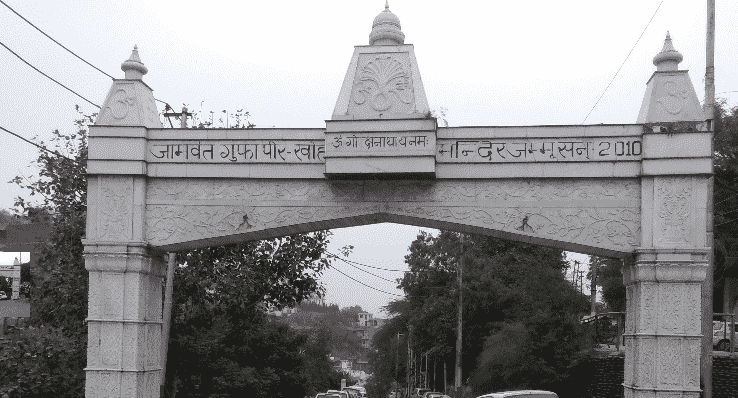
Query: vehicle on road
(341, 394)
(3, 296)
(326, 395)
(355, 391)
(721, 336)
(433, 394)
(521, 394)
(418, 393)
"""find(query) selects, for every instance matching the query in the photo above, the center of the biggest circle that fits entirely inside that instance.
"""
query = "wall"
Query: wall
(603, 377)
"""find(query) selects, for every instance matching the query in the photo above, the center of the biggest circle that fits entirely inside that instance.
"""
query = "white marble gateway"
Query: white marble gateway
(614, 190)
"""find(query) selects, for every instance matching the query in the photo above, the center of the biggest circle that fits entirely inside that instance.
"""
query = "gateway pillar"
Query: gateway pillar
(124, 315)
(663, 335)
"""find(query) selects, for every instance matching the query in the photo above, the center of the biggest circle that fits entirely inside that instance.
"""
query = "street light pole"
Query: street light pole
(457, 381)
(708, 283)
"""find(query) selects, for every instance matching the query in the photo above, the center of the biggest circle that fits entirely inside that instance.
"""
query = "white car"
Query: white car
(522, 394)
(342, 394)
(721, 337)
(3, 296)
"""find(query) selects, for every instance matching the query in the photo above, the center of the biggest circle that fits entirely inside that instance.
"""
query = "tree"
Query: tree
(508, 286)
(59, 303)
(220, 297)
(219, 307)
(610, 278)
(725, 193)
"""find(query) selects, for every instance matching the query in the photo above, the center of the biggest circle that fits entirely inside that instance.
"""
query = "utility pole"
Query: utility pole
(457, 381)
(167, 318)
(707, 285)
(445, 389)
(581, 276)
(407, 370)
(593, 287)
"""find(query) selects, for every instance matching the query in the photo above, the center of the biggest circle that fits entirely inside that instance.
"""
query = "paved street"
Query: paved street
(15, 308)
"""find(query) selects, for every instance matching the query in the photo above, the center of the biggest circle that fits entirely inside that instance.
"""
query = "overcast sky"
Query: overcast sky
(489, 63)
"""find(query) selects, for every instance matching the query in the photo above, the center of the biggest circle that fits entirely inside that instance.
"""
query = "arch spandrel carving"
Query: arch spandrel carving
(595, 213)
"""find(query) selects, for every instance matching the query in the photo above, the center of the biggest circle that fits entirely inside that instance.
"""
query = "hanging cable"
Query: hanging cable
(621, 65)
(52, 39)
(49, 77)
(37, 145)
(383, 269)
(393, 294)
(366, 271)
(62, 46)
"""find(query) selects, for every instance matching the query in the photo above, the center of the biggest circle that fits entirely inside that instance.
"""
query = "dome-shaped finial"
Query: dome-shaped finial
(386, 29)
(669, 58)
(133, 67)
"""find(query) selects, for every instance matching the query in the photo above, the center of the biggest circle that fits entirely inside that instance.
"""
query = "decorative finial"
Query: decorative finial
(133, 67)
(386, 29)
(669, 58)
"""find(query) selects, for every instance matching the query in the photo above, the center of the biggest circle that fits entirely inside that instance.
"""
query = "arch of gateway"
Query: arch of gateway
(637, 189)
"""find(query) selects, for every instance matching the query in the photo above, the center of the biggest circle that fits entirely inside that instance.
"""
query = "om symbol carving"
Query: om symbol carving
(122, 102)
(382, 81)
(677, 96)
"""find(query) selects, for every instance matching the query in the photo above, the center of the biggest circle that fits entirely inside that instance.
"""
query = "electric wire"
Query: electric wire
(39, 146)
(383, 269)
(52, 39)
(374, 288)
(366, 271)
(62, 46)
(49, 77)
(621, 66)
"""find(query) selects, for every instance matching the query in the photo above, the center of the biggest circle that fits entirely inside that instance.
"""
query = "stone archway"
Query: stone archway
(614, 190)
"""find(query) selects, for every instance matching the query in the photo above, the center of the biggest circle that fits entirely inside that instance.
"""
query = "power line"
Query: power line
(365, 271)
(393, 294)
(626, 58)
(52, 39)
(383, 269)
(51, 78)
(729, 221)
(62, 46)
(39, 146)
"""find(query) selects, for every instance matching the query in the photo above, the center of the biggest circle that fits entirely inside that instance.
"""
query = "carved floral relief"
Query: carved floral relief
(670, 361)
(607, 216)
(648, 312)
(383, 84)
(674, 201)
(671, 308)
(692, 370)
(646, 351)
(114, 214)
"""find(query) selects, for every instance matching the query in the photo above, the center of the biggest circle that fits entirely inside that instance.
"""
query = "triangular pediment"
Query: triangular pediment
(670, 97)
(382, 82)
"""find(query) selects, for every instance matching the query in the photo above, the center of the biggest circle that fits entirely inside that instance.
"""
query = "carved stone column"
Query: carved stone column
(16, 282)
(663, 290)
(662, 329)
(124, 319)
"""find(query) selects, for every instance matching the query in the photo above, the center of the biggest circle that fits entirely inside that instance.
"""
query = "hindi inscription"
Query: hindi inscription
(235, 152)
(539, 150)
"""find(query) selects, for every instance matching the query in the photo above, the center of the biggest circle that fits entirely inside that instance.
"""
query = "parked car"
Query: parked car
(721, 336)
(418, 393)
(326, 395)
(355, 391)
(522, 394)
(433, 394)
(341, 394)
(3, 296)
